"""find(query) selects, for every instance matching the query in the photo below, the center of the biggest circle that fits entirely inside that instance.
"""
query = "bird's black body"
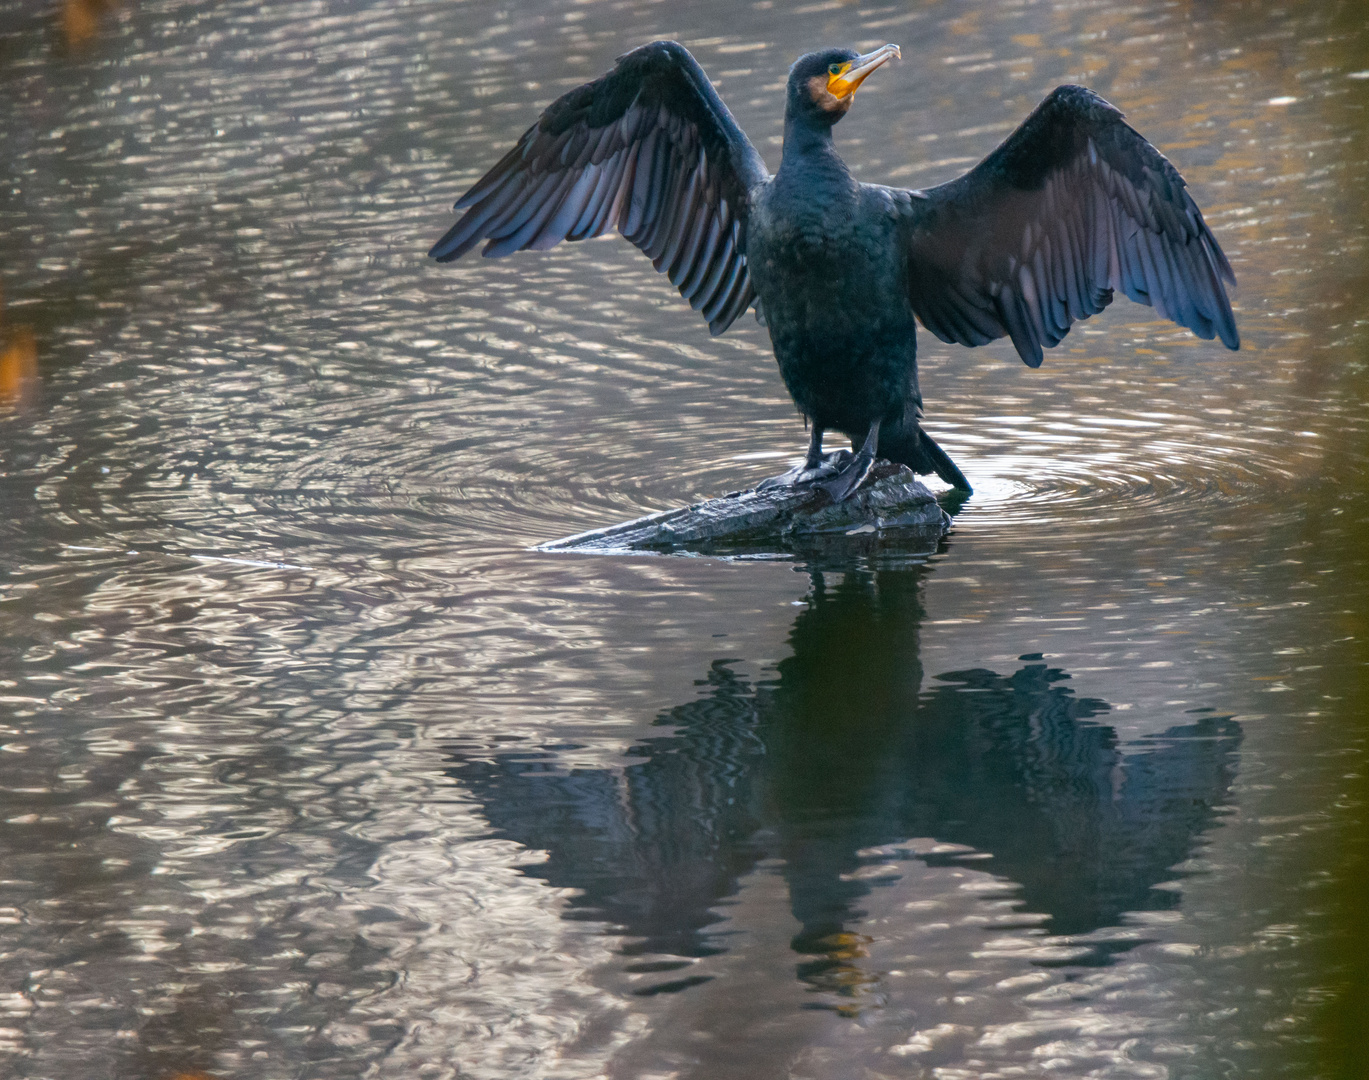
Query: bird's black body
(830, 272)
(847, 350)
(1071, 207)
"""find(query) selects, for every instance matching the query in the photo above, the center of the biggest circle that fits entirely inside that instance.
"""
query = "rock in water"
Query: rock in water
(778, 520)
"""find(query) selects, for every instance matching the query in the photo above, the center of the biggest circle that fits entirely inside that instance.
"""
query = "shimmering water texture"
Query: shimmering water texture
(312, 769)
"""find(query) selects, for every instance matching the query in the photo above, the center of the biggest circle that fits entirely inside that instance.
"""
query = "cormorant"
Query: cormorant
(1073, 206)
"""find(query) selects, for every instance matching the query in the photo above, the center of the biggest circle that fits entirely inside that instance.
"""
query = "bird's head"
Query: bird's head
(823, 84)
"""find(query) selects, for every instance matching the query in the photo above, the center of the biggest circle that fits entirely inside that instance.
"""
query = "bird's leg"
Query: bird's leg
(813, 460)
(850, 476)
(814, 468)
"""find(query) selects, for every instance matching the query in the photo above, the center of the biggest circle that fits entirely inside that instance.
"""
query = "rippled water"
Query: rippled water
(312, 769)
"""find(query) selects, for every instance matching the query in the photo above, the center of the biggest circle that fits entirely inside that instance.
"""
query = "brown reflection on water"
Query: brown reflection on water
(18, 361)
(81, 19)
(18, 365)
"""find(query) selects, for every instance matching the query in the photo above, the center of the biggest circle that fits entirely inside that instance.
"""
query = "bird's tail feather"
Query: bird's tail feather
(907, 444)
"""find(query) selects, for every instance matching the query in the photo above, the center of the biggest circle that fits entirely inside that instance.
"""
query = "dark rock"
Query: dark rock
(779, 520)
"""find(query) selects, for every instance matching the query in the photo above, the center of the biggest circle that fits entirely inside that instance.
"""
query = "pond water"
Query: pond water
(313, 769)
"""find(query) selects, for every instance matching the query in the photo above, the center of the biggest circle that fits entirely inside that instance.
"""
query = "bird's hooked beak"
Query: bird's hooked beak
(842, 82)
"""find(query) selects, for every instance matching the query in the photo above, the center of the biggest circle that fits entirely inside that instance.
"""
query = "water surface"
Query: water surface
(312, 769)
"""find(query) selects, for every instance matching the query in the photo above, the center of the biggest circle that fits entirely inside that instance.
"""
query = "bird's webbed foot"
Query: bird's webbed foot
(856, 468)
(816, 466)
(809, 473)
(848, 478)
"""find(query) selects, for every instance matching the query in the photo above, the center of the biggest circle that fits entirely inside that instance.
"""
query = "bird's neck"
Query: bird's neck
(808, 149)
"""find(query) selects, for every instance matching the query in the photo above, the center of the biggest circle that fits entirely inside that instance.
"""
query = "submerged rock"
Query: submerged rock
(778, 520)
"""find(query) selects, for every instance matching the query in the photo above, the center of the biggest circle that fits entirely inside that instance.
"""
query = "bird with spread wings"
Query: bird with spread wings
(1073, 207)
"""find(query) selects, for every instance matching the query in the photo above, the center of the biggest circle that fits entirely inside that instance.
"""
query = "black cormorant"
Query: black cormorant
(1073, 206)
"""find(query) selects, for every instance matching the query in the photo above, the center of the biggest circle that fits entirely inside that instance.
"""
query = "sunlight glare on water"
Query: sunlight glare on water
(312, 768)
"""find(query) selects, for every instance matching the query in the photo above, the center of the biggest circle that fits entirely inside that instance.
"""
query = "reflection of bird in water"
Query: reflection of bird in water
(801, 769)
(1072, 207)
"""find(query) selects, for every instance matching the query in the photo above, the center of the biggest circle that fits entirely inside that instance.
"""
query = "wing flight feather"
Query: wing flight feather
(649, 149)
(1072, 207)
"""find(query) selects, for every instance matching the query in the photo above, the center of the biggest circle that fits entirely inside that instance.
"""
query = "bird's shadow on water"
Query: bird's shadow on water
(846, 750)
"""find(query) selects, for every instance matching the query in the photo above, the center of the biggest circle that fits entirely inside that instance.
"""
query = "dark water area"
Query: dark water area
(310, 768)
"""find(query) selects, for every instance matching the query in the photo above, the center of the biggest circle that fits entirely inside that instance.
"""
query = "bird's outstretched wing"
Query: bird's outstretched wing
(649, 149)
(1072, 206)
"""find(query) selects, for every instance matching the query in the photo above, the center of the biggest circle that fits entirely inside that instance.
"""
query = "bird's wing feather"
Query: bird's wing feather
(1072, 206)
(649, 149)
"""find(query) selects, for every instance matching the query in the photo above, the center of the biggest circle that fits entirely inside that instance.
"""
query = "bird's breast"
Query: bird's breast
(827, 270)
(832, 283)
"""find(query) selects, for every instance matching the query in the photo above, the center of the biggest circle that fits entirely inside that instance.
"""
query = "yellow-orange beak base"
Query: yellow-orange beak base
(844, 83)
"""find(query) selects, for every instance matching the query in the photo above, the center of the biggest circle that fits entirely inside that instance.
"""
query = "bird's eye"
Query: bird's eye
(836, 69)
